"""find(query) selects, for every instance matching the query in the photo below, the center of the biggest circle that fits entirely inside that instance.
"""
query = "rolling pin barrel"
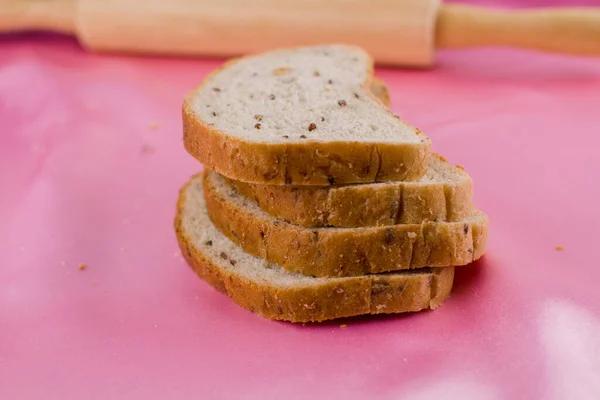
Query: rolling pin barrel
(392, 31)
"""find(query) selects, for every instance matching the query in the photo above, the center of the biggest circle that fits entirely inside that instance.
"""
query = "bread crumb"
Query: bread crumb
(412, 235)
(343, 326)
(559, 248)
(154, 126)
(94, 283)
(82, 266)
(147, 149)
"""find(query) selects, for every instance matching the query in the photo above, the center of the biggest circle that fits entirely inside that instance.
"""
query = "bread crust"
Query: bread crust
(330, 252)
(306, 163)
(330, 299)
(380, 90)
(363, 205)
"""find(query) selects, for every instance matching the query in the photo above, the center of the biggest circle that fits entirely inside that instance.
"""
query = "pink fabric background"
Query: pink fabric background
(90, 163)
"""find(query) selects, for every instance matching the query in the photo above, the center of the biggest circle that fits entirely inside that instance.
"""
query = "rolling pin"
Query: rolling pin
(395, 32)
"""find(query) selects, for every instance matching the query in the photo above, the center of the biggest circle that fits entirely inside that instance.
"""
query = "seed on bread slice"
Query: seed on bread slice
(275, 293)
(342, 251)
(303, 116)
(444, 193)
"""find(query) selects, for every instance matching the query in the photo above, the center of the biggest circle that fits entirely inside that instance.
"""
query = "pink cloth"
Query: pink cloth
(91, 160)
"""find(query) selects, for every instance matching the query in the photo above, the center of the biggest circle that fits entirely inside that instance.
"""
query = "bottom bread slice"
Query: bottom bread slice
(273, 292)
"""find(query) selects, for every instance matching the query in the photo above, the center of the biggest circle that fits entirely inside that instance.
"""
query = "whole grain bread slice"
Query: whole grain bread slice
(341, 251)
(444, 193)
(303, 116)
(275, 293)
(380, 90)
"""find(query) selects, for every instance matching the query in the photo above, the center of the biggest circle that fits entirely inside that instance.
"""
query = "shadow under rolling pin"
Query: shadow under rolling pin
(394, 32)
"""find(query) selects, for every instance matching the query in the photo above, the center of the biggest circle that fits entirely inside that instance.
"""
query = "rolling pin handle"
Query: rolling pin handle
(569, 30)
(38, 15)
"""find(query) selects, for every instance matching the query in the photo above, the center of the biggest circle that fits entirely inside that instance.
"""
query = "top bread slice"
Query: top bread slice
(444, 193)
(303, 116)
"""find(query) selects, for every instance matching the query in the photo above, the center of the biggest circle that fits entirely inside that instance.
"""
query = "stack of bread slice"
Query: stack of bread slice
(316, 201)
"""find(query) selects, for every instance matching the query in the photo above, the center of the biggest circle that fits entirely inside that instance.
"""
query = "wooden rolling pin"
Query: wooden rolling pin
(395, 32)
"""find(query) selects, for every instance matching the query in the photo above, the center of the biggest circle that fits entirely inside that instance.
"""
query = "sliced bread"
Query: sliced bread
(341, 251)
(444, 193)
(303, 116)
(275, 293)
(380, 90)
